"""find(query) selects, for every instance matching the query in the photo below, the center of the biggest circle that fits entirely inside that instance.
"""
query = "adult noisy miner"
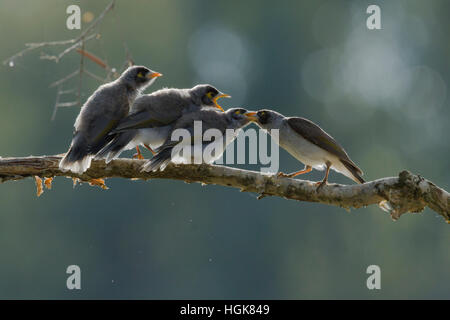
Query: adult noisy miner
(224, 126)
(308, 143)
(153, 115)
(101, 113)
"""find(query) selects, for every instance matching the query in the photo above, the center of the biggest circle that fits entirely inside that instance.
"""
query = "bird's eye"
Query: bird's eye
(238, 112)
(209, 95)
(140, 75)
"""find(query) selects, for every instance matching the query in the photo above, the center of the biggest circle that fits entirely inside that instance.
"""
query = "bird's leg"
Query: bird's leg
(138, 155)
(306, 169)
(149, 149)
(325, 179)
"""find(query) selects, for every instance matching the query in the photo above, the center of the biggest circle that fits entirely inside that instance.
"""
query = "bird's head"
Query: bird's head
(238, 116)
(139, 77)
(207, 95)
(266, 119)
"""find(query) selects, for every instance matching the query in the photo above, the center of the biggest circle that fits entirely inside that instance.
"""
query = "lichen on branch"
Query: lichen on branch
(399, 195)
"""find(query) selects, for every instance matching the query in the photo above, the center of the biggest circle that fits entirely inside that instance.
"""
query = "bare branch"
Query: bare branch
(76, 42)
(93, 58)
(68, 77)
(67, 104)
(58, 57)
(93, 76)
(405, 193)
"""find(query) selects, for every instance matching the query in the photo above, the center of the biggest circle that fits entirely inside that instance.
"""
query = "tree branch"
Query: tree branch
(398, 195)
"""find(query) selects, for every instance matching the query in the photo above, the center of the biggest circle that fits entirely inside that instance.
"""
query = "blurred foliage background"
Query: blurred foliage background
(383, 94)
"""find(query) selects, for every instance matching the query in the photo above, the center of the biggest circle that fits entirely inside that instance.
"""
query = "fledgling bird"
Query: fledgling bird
(153, 115)
(234, 118)
(101, 113)
(308, 143)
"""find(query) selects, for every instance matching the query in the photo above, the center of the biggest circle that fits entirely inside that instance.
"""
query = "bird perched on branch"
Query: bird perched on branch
(153, 115)
(308, 143)
(101, 113)
(223, 126)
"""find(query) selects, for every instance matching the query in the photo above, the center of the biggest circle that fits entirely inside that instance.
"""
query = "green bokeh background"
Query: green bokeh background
(383, 94)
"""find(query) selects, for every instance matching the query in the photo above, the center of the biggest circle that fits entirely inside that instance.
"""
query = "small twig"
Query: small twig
(55, 108)
(93, 76)
(76, 41)
(58, 57)
(67, 104)
(77, 44)
(93, 58)
(34, 46)
(68, 77)
(109, 7)
(80, 81)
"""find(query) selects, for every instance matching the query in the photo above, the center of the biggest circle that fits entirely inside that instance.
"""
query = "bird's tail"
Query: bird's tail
(77, 159)
(160, 161)
(116, 146)
(356, 172)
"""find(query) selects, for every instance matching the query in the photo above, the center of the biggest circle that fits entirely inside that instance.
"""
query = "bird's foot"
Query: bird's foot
(284, 175)
(320, 185)
(149, 149)
(98, 182)
(138, 156)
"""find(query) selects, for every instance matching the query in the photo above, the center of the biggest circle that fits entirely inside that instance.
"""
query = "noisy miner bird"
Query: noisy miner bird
(153, 115)
(308, 143)
(101, 113)
(234, 118)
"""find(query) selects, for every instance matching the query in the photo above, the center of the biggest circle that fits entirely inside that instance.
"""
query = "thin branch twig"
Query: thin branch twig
(93, 58)
(77, 44)
(58, 57)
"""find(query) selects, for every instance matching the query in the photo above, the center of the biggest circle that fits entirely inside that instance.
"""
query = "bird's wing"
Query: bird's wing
(155, 110)
(157, 114)
(99, 130)
(142, 119)
(313, 133)
(100, 127)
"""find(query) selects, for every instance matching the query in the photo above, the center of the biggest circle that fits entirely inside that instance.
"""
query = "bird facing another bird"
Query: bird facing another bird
(113, 120)
(309, 144)
(153, 115)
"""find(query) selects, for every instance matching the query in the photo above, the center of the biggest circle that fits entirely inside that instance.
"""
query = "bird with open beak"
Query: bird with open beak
(153, 115)
(101, 113)
(309, 144)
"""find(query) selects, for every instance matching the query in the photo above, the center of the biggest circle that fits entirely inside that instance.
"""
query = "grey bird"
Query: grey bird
(226, 124)
(153, 115)
(101, 113)
(308, 143)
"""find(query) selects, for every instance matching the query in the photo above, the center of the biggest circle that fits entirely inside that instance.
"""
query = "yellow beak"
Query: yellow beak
(220, 95)
(251, 116)
(154, 75)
